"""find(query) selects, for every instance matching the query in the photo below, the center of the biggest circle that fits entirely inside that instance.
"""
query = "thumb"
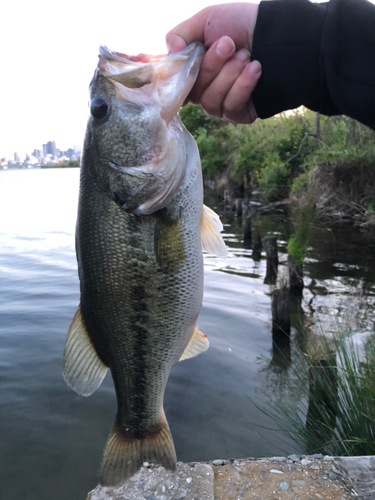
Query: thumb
(174, 42)
(189, 31)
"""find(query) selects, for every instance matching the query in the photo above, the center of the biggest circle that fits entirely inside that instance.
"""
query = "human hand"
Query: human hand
(227, 78)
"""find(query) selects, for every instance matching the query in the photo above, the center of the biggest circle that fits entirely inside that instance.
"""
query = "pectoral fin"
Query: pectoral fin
(197, 344)
(212, 240)
(169, 244)
(83, 369)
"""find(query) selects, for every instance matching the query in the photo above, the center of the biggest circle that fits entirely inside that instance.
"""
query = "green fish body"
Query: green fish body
(139, 237)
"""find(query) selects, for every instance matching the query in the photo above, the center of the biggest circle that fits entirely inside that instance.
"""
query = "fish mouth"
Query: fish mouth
(175, 73)
(111, 55)
(191, 51)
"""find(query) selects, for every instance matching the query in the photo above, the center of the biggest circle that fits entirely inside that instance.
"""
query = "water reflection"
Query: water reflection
(51, 433)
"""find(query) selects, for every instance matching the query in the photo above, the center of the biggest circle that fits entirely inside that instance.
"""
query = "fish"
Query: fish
(141, 227)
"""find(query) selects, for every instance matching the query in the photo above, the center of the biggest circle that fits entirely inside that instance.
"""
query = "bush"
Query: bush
(296, 250)
(213, 139)
(278, 153)
(299, 184)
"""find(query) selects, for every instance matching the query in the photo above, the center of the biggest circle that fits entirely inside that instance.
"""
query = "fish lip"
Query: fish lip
(191, 51)
(138, 60)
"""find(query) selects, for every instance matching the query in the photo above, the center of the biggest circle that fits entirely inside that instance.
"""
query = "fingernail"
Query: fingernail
(225, 47)
(255, 67)
(242, 55)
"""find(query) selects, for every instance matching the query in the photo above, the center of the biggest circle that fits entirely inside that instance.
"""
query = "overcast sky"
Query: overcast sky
(49, 53)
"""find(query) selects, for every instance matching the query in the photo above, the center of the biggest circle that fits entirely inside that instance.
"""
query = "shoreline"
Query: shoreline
(315, 477)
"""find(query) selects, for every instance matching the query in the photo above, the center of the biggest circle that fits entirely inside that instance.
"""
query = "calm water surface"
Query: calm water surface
(52, 439)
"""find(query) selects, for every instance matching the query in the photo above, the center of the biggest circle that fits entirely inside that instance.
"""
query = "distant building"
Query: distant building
(69, 153)
(50, 149)
(16, 158)
(38, 154)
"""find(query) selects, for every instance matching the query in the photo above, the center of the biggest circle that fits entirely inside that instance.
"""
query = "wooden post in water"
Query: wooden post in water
(298, 320)
(256, 240)
(280, 311)
(228, 197)
(238, 206)
(247, 213)
(270, 244)
(295, 276)
(281, 328)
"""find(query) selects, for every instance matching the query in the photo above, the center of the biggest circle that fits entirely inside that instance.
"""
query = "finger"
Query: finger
(249, 116)
(253, 115)
(236, 105)
(191, 30)
(213, 97)
(175, 43)
(215, 58)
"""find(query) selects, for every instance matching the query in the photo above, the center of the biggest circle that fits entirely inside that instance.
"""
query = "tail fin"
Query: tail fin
(124, 456)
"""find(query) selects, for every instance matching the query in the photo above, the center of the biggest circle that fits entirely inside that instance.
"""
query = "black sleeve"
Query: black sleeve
(321, 55)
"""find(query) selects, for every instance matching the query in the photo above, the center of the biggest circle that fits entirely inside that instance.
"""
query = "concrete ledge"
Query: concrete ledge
(361, 470)
(190, 482)
(276, 478)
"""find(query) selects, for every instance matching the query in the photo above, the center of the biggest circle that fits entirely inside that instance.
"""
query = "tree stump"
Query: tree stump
(281, 311)
(228, 197)
(238, 206)
(295, 276)
(256, 240)
(246, 223)
(270, 244)
(281, 352)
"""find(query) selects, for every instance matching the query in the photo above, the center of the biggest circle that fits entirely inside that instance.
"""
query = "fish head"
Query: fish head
(134, 138)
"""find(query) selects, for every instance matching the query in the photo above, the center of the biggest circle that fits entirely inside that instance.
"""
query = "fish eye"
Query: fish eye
(98, 108)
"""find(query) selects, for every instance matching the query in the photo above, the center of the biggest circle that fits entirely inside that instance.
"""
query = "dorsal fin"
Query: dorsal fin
(83, 369)
(197, 344)
(212, 240)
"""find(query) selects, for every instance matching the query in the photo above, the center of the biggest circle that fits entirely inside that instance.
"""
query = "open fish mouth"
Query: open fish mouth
(119, 57)
(145, 91)
(142, 69)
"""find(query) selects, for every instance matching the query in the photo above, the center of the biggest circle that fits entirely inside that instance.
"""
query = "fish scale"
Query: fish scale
(139, 237)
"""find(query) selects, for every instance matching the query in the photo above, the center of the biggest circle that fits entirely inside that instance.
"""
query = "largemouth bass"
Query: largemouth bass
(140, 230)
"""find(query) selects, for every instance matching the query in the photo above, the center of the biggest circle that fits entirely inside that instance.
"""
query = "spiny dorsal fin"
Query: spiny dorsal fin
(83, 370)
(197, 344)
(212, 240)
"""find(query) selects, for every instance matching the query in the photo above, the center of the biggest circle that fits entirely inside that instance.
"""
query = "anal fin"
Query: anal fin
(197, 344)
(83, 369)
(212, 240)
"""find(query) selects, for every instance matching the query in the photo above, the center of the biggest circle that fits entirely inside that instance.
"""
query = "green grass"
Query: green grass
(335, 411)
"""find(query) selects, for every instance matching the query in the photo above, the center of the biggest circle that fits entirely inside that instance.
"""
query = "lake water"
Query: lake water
(52, 439)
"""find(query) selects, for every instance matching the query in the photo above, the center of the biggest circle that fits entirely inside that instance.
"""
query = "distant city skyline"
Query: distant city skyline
(50, 60)
(49, 150)
(51, 57)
